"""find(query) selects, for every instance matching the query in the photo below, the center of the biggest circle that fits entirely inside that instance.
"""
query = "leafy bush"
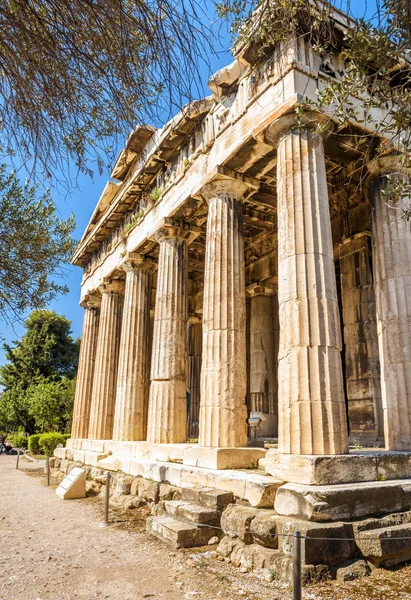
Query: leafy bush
(20, 441)
(34, 445)
(49, 441)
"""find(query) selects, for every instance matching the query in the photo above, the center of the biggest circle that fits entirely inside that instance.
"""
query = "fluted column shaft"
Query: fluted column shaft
(362, 366)
(391, 236)
(312, 415)
(167, 401)
(194, 351)
(85, 371)
(105, 372)
(223, 409)
(263, 361)
(130, 417)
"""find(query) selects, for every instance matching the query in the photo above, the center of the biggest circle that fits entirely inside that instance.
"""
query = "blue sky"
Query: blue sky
(82, 200)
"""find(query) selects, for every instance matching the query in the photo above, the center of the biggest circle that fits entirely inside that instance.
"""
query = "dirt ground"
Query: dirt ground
(55, 550)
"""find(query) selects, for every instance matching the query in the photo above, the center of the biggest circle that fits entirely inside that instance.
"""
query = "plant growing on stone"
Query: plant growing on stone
(155, 194)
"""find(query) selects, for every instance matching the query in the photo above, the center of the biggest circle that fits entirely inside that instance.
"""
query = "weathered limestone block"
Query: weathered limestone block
(263, 528)
(362, 366)
(223, 410)
(228, 544)
(105, 371)
(400, 518)
(342, 502)
(262, 381)
(257, 557)
(223, 458)
(148, 490)
(259, 493)
(169, 492)
(391, 236)
(354, 570)
(312, 417)
(236, 521)
(347, 468)
(93, 488)
(388, 546)
(178, 534)
(123, 484)
(212, 498)
(321, 543)
(130, 418)
(167, 399)
(85, 370)
(192, 512)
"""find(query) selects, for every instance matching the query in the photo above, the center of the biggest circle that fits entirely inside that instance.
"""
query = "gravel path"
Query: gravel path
(54, 550)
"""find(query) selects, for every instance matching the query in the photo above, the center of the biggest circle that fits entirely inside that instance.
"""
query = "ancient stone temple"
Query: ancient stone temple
(239, 261)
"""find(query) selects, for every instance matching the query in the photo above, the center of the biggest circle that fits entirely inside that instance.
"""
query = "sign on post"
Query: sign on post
(73, 485)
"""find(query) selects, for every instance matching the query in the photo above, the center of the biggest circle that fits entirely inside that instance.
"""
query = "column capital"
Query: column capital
(224, 188)
(316, 122)
(173, 228)
(193, 319)
(91, 300)
(135, 261)
(115, 286)
(388, 164)
(260, 289)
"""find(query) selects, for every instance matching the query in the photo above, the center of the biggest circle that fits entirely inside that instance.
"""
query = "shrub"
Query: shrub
(20, 441)
(34, 445)
(49, 441)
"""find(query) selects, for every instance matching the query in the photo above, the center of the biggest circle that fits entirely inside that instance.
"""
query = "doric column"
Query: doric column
(167, 421)
(391, 236)
(105, 372)
(311, 403)
(194, 350)
(85, 371)
(362, 366)
(263, 361)
(223, 411)
(130, 417)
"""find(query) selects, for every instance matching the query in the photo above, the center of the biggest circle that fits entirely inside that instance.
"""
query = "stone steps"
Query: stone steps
(179, 534)
(192, 512)
(193, 520)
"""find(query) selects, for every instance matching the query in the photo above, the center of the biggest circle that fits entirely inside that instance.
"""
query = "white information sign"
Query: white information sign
(73, 485)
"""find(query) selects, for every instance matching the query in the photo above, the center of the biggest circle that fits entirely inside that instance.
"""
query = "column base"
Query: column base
(223, 458)
(355, 467)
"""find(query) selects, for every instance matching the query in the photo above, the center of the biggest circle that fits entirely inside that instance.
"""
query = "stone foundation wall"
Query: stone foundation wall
(259, 538)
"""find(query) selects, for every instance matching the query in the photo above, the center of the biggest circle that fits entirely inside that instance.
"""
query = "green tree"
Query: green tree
(34, 244)
(14, 411)
(46, 351)
(51, 404)
(45, 357)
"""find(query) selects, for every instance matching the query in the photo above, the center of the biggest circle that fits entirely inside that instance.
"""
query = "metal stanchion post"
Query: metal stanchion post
(297, 565)
(18, 458)
(48, 470)
(106, 501)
